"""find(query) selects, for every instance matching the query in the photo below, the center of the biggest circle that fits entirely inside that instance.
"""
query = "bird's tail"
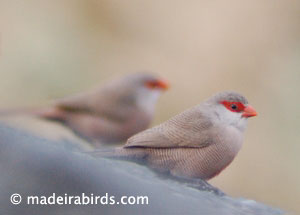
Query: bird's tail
(43, 112)
(21, 111)
(119, 153)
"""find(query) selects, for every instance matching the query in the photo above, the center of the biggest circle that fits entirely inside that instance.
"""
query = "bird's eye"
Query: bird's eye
(233, 106)
(151, 84)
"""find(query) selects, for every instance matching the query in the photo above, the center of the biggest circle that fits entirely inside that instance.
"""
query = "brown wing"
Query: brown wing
(188, 129)
(109, 102)
(98, 100)
(76, 103)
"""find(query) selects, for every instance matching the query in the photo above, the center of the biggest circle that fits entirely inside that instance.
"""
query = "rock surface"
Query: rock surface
(31, 165)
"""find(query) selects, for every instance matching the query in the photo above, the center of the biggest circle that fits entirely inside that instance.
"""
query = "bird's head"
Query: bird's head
(231, 108)
(144, 89)
(150, 82)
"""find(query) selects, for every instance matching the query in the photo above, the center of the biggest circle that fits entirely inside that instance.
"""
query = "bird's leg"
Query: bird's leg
(196, 183)
(204, 185)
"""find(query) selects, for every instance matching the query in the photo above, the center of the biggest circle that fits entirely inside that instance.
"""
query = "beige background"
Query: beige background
(50, 49)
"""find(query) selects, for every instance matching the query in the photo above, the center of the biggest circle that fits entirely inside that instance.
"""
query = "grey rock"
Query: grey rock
(34, 166)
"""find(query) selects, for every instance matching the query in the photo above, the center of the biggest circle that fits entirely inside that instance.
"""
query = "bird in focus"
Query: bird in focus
(197, 143)
(110, 113)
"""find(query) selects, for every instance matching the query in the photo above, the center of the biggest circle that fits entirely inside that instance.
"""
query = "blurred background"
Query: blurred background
(50, 49)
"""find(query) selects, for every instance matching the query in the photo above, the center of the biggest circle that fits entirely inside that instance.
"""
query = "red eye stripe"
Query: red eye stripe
(234, 106)
(151, 84)
(160, 84)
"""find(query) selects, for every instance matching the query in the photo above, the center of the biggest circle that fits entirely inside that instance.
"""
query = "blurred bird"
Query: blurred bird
(198, 143)
(111, 113)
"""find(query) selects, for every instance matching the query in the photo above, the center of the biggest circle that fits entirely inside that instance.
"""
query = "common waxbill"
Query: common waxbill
(198, 143)
(110, 113)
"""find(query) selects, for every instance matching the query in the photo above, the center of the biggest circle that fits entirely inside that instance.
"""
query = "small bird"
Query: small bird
(198, 143)
(110, 113)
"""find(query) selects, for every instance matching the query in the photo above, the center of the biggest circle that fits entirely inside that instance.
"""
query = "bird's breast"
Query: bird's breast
(216, 157)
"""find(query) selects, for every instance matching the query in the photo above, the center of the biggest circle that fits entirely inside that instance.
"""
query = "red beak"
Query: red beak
(249, 111)
(163, 84)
